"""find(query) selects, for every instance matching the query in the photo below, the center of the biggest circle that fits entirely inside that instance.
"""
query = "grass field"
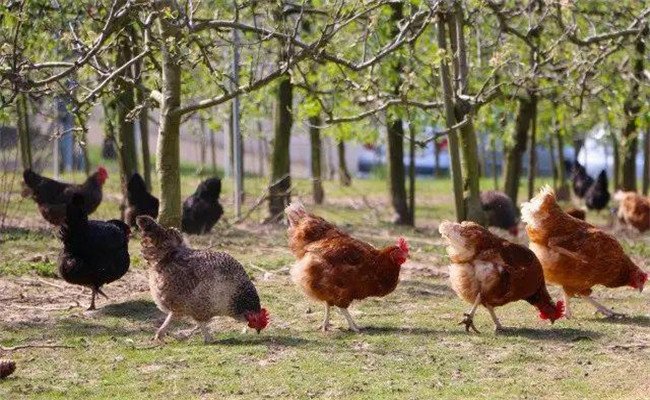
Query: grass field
(412, 347)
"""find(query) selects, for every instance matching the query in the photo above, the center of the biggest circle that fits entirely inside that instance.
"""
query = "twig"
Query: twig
(36, 346)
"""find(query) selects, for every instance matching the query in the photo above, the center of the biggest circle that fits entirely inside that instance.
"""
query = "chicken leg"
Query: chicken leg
(325, 326)
(207, 337)
(497, 324)
(468, 321)
(609, 313)
(353, 326)
(567, 310)
(160, 334)
(92, 300)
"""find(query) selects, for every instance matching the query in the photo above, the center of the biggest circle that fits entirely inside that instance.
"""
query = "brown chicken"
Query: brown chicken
(575, 254)
(335, 268)
(634, 210)
(577, 213)
(490, 271)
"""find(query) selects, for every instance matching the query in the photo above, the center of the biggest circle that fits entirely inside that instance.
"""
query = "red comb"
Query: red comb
(401, 243)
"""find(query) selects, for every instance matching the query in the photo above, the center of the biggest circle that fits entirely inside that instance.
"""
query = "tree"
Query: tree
(22, 126)
(316, 159)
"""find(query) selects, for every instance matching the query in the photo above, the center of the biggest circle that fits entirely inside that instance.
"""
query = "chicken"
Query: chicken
(200, 284)
(597, 196)
(500, 211)
(139, 200)
(575, 254)
(53, 196)
(490, 271)
(581, 180)
(94, 252)
(202, 209)
(336, 269)
(634, 210)
(577, 213)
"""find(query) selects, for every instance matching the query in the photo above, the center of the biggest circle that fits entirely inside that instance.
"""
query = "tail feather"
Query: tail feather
(31, 178)
(295, 212)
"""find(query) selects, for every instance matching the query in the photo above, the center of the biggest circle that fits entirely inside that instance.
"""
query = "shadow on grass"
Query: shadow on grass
(10, 233)
(138, 310)
(552, 334)
(262, 339)
(421, 288)
(396, 330)
(638, 320)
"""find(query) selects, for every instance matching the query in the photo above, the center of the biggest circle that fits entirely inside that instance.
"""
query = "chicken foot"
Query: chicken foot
(95, 291)
(567, 311)
(353, 325)
(468, 321)
(207, 337)
(497, 324)
(160, 334)
(609, 313)
(325, 326)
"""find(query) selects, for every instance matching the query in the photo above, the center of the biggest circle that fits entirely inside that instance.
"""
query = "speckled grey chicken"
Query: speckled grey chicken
(200, 284)
(500, 211)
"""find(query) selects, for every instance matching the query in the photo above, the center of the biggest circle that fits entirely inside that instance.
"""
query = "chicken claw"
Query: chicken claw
(468, 321)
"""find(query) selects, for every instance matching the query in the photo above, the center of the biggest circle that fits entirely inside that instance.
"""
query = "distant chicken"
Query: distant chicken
(139, 200)
(634, 210)
(202, 209)
(500, 211)
(490, 271)
(95, 252)
(53, 196)
(577, 213)
(200, 284)
(336, 269)
(597, 196)
(581, 180)
(575, 254)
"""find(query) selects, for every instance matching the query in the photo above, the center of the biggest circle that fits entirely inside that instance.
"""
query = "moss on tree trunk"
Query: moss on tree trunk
(316, 159)
(514, 153)
(279, 195)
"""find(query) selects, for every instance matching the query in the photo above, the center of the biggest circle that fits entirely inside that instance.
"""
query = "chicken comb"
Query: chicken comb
(401, 243)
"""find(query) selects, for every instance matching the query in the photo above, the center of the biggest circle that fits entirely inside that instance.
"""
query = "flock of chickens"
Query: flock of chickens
(335, 268)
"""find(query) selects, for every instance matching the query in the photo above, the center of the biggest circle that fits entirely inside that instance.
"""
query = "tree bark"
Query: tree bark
(125, 103)
(316, 159)
(450, 120)
(344, 175)
(144, 139)
(22, 126)
(513, 157)
(532, 159)
(213, 152)
(616, 150)
(632, 108)
(646, 162)
(563, 193)
(412, 173)
(168, 152)
(279, 189)
(395, 133)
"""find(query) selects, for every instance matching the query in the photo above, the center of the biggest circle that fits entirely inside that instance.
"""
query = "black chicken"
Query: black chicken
(202, 209)
(597, 197)
(95, 252)
(581, 180)
(500, 211)
(53, 196)
(139, 200)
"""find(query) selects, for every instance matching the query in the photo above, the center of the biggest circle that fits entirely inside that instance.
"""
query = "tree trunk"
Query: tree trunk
(436, 157)
(646, 161)
(468, 142)
(144, 139)
(316, 159)
(168, 152)
(395, 132)
(412, 174)
(450, 120)
(22, 126)
(616, 150)
(632, 108)
(532, 159)
(344, 175)
(563, 192)
(213, 152)
(513, 157)
(203, 142)
(279, 189)
(554, 162)
(495, 172)
(125, 103)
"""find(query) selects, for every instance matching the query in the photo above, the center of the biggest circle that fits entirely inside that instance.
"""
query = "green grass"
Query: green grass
(412, 348)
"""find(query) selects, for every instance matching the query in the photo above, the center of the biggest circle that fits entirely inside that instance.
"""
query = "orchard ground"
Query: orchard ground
(411, 348)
